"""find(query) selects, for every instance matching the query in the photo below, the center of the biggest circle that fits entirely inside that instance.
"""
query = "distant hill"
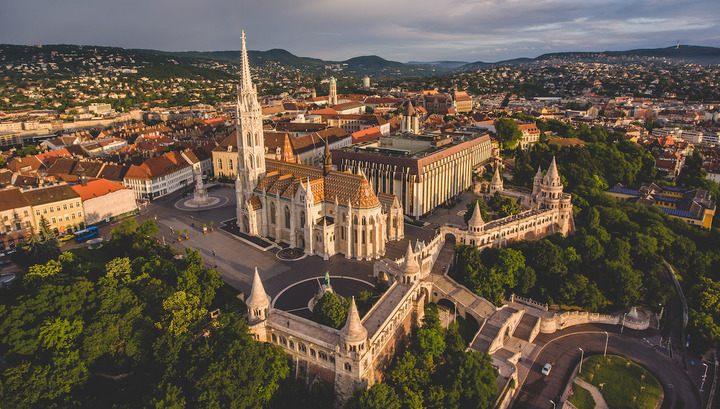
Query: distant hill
(691, 53)
(449, 65)
(205, 64)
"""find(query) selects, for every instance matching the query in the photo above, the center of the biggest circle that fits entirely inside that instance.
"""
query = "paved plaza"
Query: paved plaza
(236, 259)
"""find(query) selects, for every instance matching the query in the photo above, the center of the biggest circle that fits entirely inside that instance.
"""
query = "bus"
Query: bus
(85, 234)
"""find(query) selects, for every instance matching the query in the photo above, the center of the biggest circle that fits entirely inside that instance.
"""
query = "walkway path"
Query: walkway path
(599, 401)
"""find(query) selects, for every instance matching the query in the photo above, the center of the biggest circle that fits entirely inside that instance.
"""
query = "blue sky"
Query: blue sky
(401, 30)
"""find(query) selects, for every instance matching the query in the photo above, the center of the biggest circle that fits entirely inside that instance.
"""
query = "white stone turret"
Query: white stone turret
(496, 185)
(354, 333)
(411, 269)
(537, 181)
(552, 177)
(258, 302)
(476, 222)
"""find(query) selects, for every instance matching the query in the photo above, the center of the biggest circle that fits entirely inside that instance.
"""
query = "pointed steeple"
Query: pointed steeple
(552, 173)
(411, 265)
(309, 199)
(354, 331)
(497, 180)
(476, 220)
(539, 173)
(410, 109)
(258, 297)
(245, 69)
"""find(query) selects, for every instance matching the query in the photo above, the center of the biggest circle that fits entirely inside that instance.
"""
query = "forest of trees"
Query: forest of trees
(612, 260)
(433, 372)
(128, 326)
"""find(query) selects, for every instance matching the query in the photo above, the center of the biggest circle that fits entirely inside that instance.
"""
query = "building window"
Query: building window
(348, 367)
(58, 208)
(26, 213)
(52, 220)
(272, 213)
(312, 352)
(230, 164)
(37, 212)
(64, 206)
(302, 348)
(287, 217)
(274, 338)
(79, 214)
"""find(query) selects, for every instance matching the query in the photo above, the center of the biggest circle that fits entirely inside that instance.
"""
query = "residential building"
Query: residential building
(159, 176)
(59, 204)
(694, 206)
(17, 218)
(104, 200)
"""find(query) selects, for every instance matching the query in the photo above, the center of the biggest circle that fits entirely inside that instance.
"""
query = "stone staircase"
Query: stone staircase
(526, 327)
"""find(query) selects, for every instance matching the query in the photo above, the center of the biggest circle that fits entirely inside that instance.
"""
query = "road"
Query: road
(561, 349)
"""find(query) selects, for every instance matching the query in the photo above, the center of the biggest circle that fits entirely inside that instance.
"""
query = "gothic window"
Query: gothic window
(274, 338)
(292, 345)
(219, 164)
(272, 213)
(322, 355)
(312, 352)
(302, 348)
(342, 234)
(302, 219)
(348, 367)
(249, 162)
(287, 217)
(363, 237)
(363, 220)
(257, 138)
(249, 139)
(230, 165)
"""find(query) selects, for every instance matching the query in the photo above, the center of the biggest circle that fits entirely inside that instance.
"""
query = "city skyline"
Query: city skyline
(421, 31)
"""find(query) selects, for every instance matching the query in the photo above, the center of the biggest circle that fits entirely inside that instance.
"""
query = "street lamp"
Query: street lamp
(551, 401)
(623, 323)
(582, 356)
(702, 384)
(607, 338)
(214, 262)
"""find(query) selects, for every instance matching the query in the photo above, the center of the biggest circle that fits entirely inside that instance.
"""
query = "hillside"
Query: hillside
(689, 53)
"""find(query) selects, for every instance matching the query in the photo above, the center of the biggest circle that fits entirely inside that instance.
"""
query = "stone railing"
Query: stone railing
(528, 301)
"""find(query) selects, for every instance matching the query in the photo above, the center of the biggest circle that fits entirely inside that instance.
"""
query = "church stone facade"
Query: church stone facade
(323, 211)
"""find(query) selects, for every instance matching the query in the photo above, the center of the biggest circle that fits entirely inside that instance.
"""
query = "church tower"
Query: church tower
(250, 139)
(332, 98)
(410, 121)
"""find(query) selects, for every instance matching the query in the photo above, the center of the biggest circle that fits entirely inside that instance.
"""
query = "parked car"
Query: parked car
(546, 369)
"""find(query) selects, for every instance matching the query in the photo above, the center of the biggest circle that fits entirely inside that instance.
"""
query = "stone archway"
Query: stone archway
(300, 240)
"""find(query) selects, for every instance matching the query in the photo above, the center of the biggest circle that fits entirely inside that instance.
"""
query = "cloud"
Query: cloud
(402, 30)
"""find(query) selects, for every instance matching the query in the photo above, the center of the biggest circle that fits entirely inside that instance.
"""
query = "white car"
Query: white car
(546, 369)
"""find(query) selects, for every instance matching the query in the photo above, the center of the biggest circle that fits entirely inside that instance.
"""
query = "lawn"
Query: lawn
(581, 398)
(622, 383)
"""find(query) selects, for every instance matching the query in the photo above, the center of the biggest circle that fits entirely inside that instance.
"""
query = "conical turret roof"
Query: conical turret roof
(476, 220)
(410, 111)
(552, 173)
(497, 180)
(539, 173)
(354, 331)
(411, 265)
(258, 297)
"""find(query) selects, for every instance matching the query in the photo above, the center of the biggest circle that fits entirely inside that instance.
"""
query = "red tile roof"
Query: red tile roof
(97, 188)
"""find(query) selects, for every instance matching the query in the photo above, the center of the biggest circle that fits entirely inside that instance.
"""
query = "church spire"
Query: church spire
(354, 331)
(245, 69)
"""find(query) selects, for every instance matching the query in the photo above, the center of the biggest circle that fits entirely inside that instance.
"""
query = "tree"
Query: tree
(183, 312)
(473, 384)
(379, 396)
(507, 132)
(330, 311)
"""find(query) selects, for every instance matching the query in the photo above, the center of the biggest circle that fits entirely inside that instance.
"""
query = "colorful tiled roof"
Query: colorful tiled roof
(341, 186)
